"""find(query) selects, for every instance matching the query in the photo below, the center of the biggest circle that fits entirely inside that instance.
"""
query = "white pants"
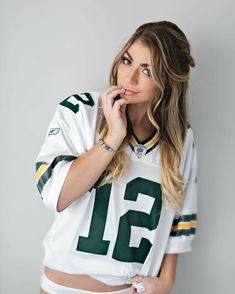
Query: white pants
(53, 288)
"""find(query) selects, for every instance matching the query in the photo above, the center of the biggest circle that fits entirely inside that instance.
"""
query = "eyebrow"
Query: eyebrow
(131, 58)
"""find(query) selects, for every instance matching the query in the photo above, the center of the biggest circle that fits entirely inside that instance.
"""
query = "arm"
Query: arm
(168, 269)
(78, 182)
(65, 170)
(165, 282)
(81, 177)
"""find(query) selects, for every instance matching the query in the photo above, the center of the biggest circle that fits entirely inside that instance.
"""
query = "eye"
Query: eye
(126, 60)
(146, 71)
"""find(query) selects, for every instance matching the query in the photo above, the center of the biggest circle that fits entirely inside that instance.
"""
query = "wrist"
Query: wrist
(112, 142)
(105, 146)
(168, 281)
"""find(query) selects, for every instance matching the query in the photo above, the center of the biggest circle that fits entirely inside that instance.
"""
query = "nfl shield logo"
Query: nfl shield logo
(140, 150)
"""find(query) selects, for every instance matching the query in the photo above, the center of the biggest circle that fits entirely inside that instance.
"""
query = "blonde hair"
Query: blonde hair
(170, 65)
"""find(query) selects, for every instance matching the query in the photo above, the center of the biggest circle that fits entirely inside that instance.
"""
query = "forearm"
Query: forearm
(83, 173)
(168, 268)
(163, 283)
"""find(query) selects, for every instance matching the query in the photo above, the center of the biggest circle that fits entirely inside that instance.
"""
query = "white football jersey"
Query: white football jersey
(121, 229)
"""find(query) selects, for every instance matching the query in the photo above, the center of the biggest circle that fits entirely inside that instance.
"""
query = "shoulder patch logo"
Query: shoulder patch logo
(53, 131)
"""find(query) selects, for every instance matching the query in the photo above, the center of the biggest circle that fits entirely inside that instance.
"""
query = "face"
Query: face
(135, 76)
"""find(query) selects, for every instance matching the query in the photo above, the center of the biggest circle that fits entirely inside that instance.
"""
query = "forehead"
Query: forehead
(139, 52)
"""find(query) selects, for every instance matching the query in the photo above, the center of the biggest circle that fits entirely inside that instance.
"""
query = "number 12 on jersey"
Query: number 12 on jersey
(95, 244)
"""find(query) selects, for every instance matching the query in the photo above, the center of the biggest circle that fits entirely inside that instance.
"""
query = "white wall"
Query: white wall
(52, 49)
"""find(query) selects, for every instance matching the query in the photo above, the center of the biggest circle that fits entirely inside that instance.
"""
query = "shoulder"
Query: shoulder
(85, 100)
(189, 155)
(189, 138)
(79, 105)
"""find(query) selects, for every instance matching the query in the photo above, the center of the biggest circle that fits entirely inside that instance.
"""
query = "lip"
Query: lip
(130, 92)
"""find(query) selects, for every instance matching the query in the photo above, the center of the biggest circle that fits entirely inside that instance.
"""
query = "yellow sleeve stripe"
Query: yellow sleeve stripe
(183, 226)
(41, 170)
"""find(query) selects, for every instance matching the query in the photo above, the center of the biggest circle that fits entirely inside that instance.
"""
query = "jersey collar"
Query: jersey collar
(141, 148)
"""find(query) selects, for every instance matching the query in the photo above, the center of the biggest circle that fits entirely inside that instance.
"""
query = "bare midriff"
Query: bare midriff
(82, 282)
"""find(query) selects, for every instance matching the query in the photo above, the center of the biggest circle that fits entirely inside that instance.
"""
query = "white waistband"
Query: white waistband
(53, 288)
(112, 280)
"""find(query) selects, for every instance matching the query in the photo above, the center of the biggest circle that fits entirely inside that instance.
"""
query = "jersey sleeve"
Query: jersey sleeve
(70, 133)
(184, 224)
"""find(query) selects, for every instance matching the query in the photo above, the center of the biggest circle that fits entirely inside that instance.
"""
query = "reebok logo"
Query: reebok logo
(53, 131)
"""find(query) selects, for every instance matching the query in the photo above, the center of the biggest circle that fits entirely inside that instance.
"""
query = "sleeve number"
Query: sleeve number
(71, 101)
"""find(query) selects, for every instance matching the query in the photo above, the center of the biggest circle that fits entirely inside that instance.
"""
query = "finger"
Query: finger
(119, 103)
(137, 278)
(120, 107)
(110, 89)
(115, 93)
(111, 95)
(105, 93)
(108, 100)
(123, 109)
(123, 114)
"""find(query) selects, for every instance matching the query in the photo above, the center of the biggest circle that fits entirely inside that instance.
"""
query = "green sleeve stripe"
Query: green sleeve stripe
(38, 164)
(186, 232)
(47, 174)
(185, 218)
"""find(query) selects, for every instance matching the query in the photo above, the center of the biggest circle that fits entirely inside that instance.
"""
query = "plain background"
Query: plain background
(52, 49)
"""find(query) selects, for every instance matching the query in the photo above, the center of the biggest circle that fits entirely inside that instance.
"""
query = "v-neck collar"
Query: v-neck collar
(139, 147)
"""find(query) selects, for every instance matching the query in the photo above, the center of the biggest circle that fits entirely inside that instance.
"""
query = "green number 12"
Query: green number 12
(95, 244)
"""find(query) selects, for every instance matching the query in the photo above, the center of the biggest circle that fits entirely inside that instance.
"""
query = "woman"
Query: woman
(118, 168)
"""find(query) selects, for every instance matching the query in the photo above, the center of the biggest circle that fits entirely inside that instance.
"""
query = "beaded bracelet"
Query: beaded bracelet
(106, 147)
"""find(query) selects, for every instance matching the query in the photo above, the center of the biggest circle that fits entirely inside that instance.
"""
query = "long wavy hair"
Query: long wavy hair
(170, 65)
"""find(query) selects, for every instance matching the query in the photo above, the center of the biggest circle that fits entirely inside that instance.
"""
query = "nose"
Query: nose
(132, 76)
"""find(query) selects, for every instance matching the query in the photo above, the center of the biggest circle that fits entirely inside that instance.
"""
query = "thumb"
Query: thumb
(132, 290)
(137, 278)
(123, 108)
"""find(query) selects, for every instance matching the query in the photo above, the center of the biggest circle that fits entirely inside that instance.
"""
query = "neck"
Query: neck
(138, 115)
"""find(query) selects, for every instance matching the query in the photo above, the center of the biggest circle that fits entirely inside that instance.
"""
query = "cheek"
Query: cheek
(120, 71)
(151, 87)
(118, 75)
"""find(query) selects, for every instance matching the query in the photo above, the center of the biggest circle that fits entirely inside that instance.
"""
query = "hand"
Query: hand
(156, 285)
(115, 115)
